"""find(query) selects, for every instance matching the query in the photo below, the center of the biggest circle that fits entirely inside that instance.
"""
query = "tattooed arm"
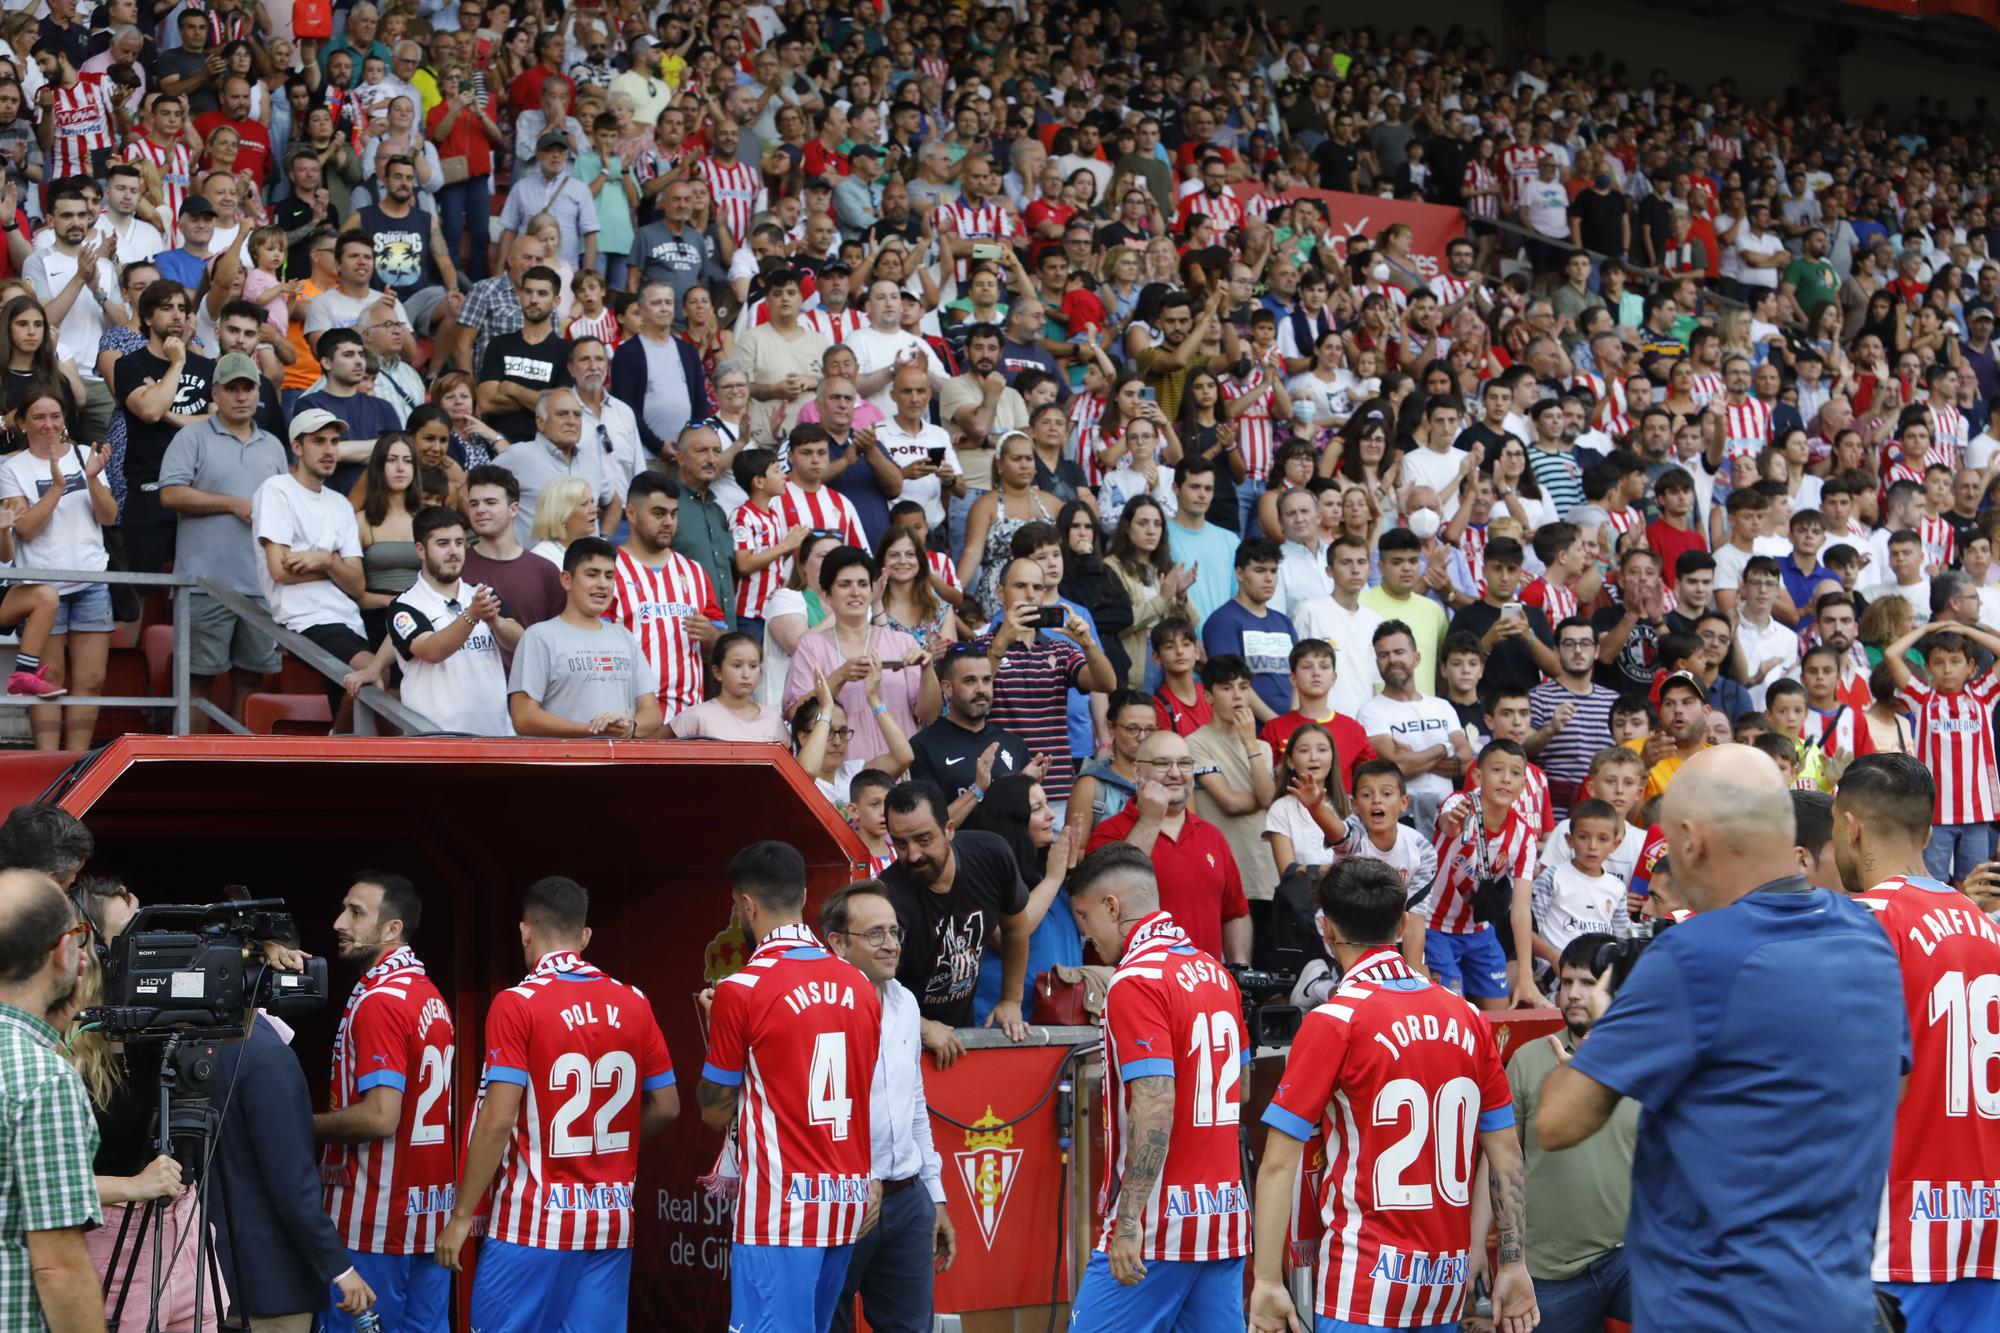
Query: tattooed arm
(1513, 1293)
(1149, 1122)
(718, 1104)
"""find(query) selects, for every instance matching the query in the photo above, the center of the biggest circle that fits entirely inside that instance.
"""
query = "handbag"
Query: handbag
(456, 169)
(1071, 996)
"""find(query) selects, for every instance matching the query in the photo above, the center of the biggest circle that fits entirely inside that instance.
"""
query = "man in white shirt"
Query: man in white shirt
(1760, 251)
(783, 357)
(884, 345)
(1908, 580)
(1438, 464)
(1770, 647)
(908, 1237)
(78, 287)
(1302, 577)
(1419, 732)
(138, 240)
(921, 449)
(1344, 622)
(448, 637)
(311, 546)
(609, 425)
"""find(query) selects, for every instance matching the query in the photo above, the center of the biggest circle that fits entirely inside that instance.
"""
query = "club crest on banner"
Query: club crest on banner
(987, 1167)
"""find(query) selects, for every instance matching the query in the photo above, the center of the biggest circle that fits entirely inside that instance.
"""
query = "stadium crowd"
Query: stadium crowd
(995, 409)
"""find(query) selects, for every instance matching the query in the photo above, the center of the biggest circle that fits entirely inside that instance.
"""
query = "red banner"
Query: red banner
(1433, 226)
(1002, 1182)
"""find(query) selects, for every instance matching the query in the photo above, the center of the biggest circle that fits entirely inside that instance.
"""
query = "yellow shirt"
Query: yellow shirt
(1663, 773)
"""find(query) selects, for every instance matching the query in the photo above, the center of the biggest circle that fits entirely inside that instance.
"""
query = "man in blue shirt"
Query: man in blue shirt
(1195, 543)
(1766, 1037)
(1245, 626)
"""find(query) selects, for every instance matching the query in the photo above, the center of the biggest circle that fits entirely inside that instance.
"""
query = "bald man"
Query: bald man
(1766, 1039)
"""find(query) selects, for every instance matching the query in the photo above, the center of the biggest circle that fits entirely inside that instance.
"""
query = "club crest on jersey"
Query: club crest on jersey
(988, 1167)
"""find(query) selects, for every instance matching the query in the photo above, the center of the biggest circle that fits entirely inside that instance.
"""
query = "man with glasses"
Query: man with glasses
(609, 425)
(964, 750)
(1571, 714)
(907, 1237)
(1199, 881)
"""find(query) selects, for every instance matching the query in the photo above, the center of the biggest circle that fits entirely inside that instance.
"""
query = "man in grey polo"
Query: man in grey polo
(210, 471)
(553, 453)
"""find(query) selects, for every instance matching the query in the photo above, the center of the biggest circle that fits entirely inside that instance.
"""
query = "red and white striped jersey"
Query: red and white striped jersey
(937, 67)
(1172, 1011)
(1479, 178)
(1746, 428)
(1533, 804)
(1256, 438)
(1471, 855)
(1705, 389)
(1940, 541)
(1724, 147)
(1623, 519)
(393, 1195)
(1948, 435)
(650, 603)
(1613, 414)
(1473, 544)
(796, 1031)
(1262, 206)
(1402, 1077)
(1225, 208)
(176, 168)
(823, 510)
(754, 529)
(84, 124)
(1954, 735)
(988, 221)
(1521, 163)
(738, 192)
(1940, 1199)
(878, 864)
(942, 567)
(1557, 603)
(1085, 412)
(604, 328)
(1449, 290)
(834, 327)
(584, 1049)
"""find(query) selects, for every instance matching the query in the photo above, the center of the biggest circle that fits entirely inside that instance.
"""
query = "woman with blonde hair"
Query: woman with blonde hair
(564, 511)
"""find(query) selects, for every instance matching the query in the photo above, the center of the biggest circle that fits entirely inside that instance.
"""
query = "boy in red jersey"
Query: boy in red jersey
(1954, 734)
(1935, 1250)
(1482, 844)
(576, 1077)
(1396, 1073)
(390, 1163)
(1177, 1217)
(792, 1040)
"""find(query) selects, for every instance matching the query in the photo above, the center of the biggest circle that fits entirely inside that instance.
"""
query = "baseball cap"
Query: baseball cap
(863, 150)
(310, 420)
(1984, 312)
(551, 140)
(1687, 678)
(194, 206)
(235, 367)
(832, 266)
(818, 183)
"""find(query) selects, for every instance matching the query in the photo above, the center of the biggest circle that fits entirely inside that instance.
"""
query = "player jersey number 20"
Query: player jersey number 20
(615, 1070)
(1445, 1124)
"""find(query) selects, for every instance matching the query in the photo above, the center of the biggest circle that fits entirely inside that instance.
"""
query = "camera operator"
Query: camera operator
(122, 1080)
(279, 1249)
(46, 1134)
(391, 1154)
(47, 838)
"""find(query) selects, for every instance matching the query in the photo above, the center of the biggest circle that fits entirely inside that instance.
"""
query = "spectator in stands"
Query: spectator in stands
(1107, 785)
(1234, 775)
(1401, 596)
(1033, 672)
(1017, 811)
(556, 451)
(1514, 638)
(844, 645)
(1208, 549)
(531, 589)
(1683, 720)
(965, 750)
(449, 636)
(734, 713)
(211, 471)
(580, 675)
(1247, 628)
(1418, 731)
(1571, 714)
(1198, 874)
(657, 374)
(363, 417)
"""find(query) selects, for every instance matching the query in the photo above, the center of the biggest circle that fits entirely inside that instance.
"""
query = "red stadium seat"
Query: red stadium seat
(288, 714)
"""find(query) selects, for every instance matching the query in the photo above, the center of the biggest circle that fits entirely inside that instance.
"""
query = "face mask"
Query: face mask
(1380, 273)
(1424, 524)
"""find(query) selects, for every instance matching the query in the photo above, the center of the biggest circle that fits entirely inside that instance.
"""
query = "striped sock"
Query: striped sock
(27, 662)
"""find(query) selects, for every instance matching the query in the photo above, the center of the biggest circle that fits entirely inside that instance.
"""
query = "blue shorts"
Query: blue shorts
(85, 611)
(768, 1286)
(521, 1289)
(1326, 1323)
(1175, 1296)
(1469, 964)
(1948, 1307)
(412, 1294)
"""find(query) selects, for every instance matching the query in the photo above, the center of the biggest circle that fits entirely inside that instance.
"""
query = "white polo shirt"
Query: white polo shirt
(905, 447)
(467, 691)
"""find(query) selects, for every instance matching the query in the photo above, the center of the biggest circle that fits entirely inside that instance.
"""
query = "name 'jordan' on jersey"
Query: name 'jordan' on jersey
(393, 1195)
(1402, 1077)
(797, 1030)
(583, 1047)
(1943, 1192)
(1173, 1011)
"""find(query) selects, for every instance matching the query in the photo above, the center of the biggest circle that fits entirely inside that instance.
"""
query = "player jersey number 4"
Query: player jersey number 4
(797, 1031)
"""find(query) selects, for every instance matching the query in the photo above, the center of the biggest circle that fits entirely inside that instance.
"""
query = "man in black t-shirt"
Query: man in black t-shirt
(955, 896)
(160, 388)
(1515, 637)
(1628, 647)
(520, 367)
(951, 751)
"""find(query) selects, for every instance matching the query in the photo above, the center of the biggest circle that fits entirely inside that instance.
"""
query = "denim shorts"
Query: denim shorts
(86, 611)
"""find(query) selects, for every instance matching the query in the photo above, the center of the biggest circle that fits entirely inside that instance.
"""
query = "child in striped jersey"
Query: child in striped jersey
(868, 806)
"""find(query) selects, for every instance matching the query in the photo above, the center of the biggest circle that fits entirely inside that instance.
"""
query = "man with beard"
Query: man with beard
(162, 388)
(521, 366)
(952, 891)
(1577, 1200)
(1571, 714)
(1927, 1258)
(581, 675)
(48, 1276)
(449, 636)
(1684, 720)
(1182, 334)
(1198, 877)
(211, 471)
(1419, 731)
(664, 598)
(389, 1164)
(78, 287)
(980, 406)
(897, 218)
(311, 547)
(963, 751)
(1840, 629)
(412, 260)
(672, 251)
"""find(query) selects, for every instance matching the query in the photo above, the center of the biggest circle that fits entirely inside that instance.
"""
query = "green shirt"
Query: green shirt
(1577, 1198)
(705, 537)
(48, 1142)
(1814, 280)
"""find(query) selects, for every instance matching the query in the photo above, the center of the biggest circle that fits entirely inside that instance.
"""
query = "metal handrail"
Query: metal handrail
(1528, 233)
(370, 702)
